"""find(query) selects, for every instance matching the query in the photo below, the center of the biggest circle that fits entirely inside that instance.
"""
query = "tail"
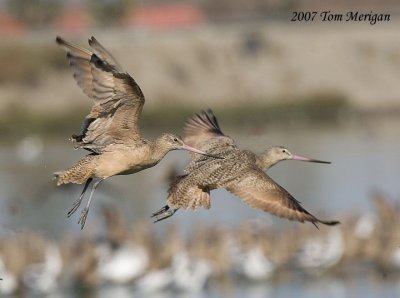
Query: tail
(78, 173)
(185, 193)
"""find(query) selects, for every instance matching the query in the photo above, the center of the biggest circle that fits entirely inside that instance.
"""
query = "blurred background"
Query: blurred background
(325, 90)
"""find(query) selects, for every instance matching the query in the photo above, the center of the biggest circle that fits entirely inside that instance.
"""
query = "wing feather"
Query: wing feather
(105, 54)
(202, 127)
(261, 192)
(118, 99)
(202, 131)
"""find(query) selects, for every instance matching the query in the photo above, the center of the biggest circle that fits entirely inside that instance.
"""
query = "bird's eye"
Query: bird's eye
(175, 140)
(284, 151)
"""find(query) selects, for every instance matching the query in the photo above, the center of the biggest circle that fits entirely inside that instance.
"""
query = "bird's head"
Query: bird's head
(173, 142)
(275, 154)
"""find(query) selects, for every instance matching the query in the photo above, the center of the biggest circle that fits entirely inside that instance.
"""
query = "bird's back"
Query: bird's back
(212, 171)
(204, 174)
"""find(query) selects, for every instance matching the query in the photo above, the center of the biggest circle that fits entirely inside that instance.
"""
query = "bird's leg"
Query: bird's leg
(162, 210)
(78, 202)
(85, 211)
(165, 214)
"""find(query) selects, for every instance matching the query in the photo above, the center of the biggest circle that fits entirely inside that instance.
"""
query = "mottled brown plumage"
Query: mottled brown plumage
(110, 131)
(241, 172)
(78, 173)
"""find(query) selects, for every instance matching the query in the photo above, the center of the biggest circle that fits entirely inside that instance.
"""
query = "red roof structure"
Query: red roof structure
(10, 26)
(166, 16)
(74, 20)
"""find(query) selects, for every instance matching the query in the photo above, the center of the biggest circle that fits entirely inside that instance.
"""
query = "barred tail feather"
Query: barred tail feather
(186, 195)
(78, 173)
(60, 178)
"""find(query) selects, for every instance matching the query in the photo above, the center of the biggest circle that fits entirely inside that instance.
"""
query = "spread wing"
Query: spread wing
(259, 191)
(238, 174)
(202, 131)
(118, 100)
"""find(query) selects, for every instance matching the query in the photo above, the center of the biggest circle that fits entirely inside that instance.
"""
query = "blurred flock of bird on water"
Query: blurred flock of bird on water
(256, 252)
(267, 79)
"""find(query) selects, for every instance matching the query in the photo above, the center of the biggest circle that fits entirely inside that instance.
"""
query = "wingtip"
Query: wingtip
(210, 111)
(325, 222)
(206, 112)
(315, 225)
(60, 40)
(333, 223)
(92, 40)
(330, 222)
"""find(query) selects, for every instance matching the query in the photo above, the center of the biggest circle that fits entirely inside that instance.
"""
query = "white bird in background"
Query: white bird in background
(29, 149)
(184, 274)
(253, 264)
(8, 282)
(320, 253)
(123, 264)
(42, 277)
(395, 258)
(154, 281)
(189, 275)
(365, 226)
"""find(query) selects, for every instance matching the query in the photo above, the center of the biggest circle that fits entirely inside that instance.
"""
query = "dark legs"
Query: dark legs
(85, 211)
(161, 214)
(164, 213)
(78, 202)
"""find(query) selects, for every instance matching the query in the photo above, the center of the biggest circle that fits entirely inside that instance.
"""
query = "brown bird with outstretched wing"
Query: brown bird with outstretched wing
(110, 131)
(241, 172)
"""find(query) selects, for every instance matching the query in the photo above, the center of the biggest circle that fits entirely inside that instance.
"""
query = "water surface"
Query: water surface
(364, 155)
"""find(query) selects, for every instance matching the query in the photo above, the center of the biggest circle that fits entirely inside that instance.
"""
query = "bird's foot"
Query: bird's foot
(164, 215)
(75, 206)
(162, 210)
(82, 218)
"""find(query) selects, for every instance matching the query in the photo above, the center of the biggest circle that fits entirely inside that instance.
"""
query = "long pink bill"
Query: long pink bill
(296, 157)
(188, 148)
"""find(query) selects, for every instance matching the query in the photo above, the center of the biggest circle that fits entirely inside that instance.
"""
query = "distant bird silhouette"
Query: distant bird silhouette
(8, 281)
(110, 131)
(241, 172)
(185, 274)
(320, 253)
(42, 277)
(253, 264)
(123, 264)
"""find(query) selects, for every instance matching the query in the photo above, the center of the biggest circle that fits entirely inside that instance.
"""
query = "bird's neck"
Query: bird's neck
(158, 151)
(265, 160)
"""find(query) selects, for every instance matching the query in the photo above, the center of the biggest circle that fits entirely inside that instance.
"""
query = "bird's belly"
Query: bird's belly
(136, 168)
(121, 164)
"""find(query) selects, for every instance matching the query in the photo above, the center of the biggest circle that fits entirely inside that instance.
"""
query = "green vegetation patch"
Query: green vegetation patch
(312, 110)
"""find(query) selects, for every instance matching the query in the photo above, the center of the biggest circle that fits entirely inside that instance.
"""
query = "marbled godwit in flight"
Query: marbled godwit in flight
(241, 172)
(110, 131)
